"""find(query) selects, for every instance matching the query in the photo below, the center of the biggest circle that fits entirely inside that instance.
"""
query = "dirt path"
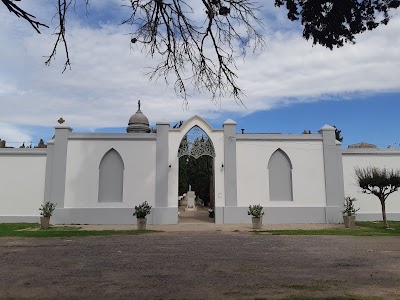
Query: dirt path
(199, 265)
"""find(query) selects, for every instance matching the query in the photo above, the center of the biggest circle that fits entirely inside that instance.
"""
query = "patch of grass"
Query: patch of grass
(238, 293)
(34, 230)
(251, 270)
(230, 293)
(219, 270)
(304, 287)
(379, 225)
(253, 286)
(362, 229)
(332, 298)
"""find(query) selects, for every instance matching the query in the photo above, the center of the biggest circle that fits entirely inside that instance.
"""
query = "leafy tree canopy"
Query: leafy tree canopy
(380, 182)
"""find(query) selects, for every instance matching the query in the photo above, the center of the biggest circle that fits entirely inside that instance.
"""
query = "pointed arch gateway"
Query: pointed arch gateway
(196, 155)
(196, 143)
(280, 176)
(111, 177)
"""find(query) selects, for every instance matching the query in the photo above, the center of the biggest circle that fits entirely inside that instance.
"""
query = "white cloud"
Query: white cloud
(107, 78)
(13, 135)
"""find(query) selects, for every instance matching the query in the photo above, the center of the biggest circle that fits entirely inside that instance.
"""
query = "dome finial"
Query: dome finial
(138, 122)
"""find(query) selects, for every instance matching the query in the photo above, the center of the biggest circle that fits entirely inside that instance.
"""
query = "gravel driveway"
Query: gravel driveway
(199, 265)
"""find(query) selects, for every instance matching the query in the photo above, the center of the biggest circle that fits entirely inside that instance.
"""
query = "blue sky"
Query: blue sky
(290, 87)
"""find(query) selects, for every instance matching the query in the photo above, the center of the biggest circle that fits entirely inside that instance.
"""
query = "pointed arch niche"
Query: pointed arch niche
(111, 177)
(280, 177)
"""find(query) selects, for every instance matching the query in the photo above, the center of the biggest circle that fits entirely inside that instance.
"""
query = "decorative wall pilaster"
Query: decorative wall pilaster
(162, 165)
(230, 176)
(334, 186)
(58, 165)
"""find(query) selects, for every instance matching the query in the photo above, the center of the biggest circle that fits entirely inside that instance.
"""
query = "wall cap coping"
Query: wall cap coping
(327, 127)
(62, 127)
(162, 123)
(113, 136)
(229, 122)
(179, 129)
(193, 119)
(370, 151)
(278, 137)
(23, 151)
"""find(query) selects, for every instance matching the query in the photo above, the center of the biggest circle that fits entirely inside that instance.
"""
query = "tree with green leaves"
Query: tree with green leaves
(380, 182)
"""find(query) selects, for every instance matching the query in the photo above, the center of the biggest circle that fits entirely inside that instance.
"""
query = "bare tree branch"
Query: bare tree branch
(20, 13)
(197, 52)
(199, 46)
(62, 8)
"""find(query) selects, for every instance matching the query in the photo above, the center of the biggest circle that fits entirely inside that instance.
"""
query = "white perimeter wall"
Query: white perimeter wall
(370, 204)
(175, 138)
(21, 183)
(307, 174)
(82, 173)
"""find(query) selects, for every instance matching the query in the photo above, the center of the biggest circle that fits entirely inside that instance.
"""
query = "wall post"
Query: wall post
(162, 213)
(58, 165)
(230, 177)
(333, 166)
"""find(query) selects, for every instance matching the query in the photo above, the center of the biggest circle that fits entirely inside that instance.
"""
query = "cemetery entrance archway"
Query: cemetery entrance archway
(196, 183)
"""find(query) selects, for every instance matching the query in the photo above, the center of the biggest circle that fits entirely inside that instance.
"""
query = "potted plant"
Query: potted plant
(46, 211)
(256, 211)
(211, 213)
(141, 211)
(349, 212)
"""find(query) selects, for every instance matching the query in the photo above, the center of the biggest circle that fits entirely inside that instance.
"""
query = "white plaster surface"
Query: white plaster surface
(307, 173)
(369, 204)
(22, 176)
(82, 173)
(21, 184)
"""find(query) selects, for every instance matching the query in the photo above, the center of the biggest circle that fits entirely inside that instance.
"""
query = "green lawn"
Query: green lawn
(333, 298)
(362, 229)
(33, 230)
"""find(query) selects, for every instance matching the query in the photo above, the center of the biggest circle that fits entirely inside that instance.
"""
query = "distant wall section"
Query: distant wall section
(370, 208)
(22, 181)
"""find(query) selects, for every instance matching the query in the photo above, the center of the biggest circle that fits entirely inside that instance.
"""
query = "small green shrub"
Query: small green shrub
(255, 211)
(349, 208)
(142, 210)
(46, 210)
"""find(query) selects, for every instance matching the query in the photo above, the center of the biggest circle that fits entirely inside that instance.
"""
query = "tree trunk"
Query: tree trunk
(385, 222)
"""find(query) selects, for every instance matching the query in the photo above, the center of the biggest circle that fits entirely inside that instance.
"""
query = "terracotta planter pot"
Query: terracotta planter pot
(141, 223)
(349, 221)
(257, 222)
(44, 222)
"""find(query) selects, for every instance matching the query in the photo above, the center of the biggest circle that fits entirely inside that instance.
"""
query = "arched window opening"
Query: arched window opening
(111, 177)
(280, 177)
